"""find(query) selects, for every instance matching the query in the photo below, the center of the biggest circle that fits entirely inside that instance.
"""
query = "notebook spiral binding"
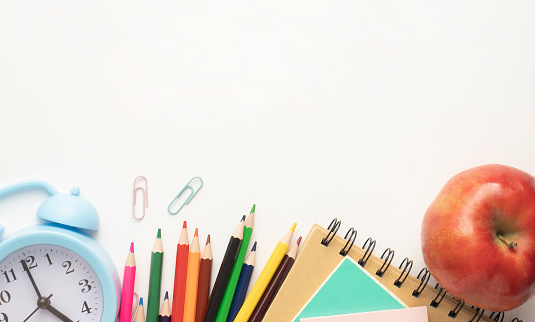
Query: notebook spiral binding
(406, 266)
(499, 317)
(440, 296)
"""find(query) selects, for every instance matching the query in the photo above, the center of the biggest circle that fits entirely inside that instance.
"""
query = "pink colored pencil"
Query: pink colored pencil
(129, 279)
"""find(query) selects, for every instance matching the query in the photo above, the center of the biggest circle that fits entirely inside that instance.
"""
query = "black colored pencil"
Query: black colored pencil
(224, 273)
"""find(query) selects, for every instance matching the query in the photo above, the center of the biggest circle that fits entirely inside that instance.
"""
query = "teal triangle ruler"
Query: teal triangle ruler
(349, 289)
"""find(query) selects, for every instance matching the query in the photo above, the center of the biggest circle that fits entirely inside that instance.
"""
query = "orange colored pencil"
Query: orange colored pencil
(192, 282)
(181, 269)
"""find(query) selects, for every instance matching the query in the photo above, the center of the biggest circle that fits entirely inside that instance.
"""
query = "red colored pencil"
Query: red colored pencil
(181, 270)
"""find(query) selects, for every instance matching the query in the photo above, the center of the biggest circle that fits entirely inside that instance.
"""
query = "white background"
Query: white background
(310, 109)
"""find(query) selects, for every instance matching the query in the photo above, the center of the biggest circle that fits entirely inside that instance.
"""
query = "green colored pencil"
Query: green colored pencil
(224, 309)
(155, 280)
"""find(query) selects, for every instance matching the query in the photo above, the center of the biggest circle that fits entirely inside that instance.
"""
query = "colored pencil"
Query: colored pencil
(265, 276)
(165, 312)
(155, 279)
(203, 291)
(181, 269)
(140, 312)
(243, 285)
(275, 283)
(235, 274)
(192, 282)
(224, 273)
(129, 279)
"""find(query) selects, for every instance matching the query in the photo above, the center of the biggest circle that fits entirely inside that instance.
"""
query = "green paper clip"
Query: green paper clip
(192, 193)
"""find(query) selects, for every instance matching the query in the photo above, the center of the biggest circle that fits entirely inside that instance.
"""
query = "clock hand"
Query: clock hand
(29, 316)
(58, 314)
(41, 302)
(27, 269)
(44, 303)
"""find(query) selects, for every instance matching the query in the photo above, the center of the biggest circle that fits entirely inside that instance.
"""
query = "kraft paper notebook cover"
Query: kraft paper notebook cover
(415, 314)
(315, 262)
(349, 289)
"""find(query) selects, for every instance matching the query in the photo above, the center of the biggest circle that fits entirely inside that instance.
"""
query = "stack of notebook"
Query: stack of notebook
(333, 280)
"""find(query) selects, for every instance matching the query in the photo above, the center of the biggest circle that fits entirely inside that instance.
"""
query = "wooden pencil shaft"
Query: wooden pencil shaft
(272, 289)
(190, 303)
(241, 291)
(127, 295)
(192, 282)
(155, 279)
(203, 291)
(222, 279)
(165, 310)
(224, 308)
(130, 260)
(179, 290)
(262, 282)
(140, 313)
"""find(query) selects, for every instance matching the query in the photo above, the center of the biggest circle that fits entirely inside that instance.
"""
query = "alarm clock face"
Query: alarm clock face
(41, 283)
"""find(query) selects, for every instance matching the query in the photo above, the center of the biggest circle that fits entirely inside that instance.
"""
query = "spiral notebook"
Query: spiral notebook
(323, 250)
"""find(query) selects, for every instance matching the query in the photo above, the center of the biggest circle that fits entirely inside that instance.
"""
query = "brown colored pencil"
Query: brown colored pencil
(205, 271)
(275, 283)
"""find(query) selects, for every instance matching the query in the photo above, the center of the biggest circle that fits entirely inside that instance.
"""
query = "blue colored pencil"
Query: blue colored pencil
(243, 285)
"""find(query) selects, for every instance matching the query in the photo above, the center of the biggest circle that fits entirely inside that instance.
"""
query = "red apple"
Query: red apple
(478, 237)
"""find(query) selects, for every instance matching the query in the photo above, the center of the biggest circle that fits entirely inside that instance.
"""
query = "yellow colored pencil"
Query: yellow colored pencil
(265, 277)
(192, 282)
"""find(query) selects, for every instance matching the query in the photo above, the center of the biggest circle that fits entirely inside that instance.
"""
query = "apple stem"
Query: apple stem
(510, 244)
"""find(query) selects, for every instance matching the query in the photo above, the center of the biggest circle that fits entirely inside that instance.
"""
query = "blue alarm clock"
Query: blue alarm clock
(55, 271)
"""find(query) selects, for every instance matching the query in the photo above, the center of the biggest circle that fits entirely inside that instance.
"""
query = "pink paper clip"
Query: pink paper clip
(144, 192)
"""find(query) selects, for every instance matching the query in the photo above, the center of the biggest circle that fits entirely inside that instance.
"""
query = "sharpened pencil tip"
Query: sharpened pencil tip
(159, 233)
(293, 227)
(253, 209)
(254, 247)
(166, 296)
(243, 218)
(196, 232)
(185, 225)
(299, 241)
(140, 301)
(132, 247)
(208, 239)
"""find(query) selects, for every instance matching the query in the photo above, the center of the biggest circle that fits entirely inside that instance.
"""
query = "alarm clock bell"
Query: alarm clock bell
(63, 208)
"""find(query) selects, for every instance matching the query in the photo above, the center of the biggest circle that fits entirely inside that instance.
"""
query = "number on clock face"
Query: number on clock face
(67, 284)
